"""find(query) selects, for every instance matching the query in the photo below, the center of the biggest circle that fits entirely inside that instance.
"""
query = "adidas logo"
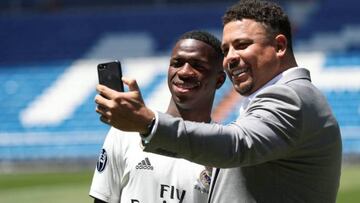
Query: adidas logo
(145, 164)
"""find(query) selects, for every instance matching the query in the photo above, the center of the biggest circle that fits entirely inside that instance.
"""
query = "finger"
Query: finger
(104, 120)
(102, 110)
(131, 83)
(102, 101)
(106, 92)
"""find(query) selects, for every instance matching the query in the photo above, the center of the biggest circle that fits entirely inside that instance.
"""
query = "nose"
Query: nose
(232, 59)
(186, 71)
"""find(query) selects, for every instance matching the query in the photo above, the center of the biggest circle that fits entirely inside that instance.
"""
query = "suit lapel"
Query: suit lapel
(213, 181)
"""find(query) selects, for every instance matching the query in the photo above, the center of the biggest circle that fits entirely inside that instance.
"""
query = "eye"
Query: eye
(176, 63)
(225, 51)
(198, 66)
(241, 45)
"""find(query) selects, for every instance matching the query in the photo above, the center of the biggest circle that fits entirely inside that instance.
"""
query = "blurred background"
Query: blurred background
(50, 135)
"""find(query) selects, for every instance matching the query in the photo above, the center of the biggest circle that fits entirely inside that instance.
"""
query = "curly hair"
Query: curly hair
(270, 14)
(205, 37)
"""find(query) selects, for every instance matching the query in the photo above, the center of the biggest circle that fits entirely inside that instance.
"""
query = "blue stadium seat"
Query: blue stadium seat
(343, 60)
(38, 48)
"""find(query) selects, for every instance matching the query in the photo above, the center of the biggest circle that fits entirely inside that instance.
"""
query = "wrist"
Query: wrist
(149, 127)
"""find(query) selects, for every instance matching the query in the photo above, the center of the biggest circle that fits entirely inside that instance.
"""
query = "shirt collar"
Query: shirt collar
(246, 100)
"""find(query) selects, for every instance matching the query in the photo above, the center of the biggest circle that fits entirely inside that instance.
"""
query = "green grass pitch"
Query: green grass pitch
(74, 187)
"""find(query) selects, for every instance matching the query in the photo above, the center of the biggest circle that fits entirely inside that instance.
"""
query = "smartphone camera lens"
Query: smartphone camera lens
(102, 66)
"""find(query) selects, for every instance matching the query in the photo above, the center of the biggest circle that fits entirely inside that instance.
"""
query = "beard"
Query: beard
(245, 90)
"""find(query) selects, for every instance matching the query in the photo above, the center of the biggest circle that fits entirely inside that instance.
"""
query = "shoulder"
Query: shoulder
(119, 137)
(277, 105)
(279, 95)
(120, 146)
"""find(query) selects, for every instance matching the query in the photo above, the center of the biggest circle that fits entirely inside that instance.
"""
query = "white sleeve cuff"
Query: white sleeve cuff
(147, 139)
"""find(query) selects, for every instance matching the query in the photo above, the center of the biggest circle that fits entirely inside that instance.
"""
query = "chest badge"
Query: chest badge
(101, 163)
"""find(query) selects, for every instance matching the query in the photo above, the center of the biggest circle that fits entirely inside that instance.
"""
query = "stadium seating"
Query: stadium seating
(48, 75)
(330, 27)
(330, 16)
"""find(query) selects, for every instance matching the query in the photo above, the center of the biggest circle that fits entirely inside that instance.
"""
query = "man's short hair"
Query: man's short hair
(270, 14)
(205, 37)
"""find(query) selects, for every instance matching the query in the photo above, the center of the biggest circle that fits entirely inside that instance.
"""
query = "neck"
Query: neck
(196, 114)
(289, 62)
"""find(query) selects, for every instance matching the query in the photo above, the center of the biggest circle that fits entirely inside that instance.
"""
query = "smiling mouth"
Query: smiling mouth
(239, 72)
(235, 71)
(185, 87)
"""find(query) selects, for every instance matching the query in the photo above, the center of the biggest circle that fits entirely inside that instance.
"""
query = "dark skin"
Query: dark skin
(118, 108)
(195, 72)
(250, 60)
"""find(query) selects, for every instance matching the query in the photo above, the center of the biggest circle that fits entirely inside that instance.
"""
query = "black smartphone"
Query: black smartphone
(110, 75)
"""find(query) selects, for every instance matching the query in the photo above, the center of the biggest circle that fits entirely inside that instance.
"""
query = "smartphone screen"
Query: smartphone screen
(110, 75)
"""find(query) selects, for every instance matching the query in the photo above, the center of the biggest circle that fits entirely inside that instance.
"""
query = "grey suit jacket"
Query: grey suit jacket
(286, 146)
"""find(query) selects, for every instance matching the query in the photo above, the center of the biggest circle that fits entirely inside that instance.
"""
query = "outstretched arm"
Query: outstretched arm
(268, 130)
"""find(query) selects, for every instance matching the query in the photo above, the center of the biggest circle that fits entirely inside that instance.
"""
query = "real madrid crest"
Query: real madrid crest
(101, 163)
(203, 182)
(205, 177)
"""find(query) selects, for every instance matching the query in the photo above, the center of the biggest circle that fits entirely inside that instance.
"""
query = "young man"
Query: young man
(127, 174)
(284, 147)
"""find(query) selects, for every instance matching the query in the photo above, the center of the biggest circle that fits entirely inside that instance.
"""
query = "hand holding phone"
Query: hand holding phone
(110, 75)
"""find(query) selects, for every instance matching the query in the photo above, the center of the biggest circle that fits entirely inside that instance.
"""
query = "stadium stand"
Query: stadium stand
(332, 29)
(48, 75)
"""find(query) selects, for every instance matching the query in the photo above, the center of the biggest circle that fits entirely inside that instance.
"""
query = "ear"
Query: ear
(281, 45)
(220, 79)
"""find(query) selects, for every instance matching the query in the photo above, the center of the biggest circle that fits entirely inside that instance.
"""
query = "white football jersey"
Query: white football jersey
(125, 173)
